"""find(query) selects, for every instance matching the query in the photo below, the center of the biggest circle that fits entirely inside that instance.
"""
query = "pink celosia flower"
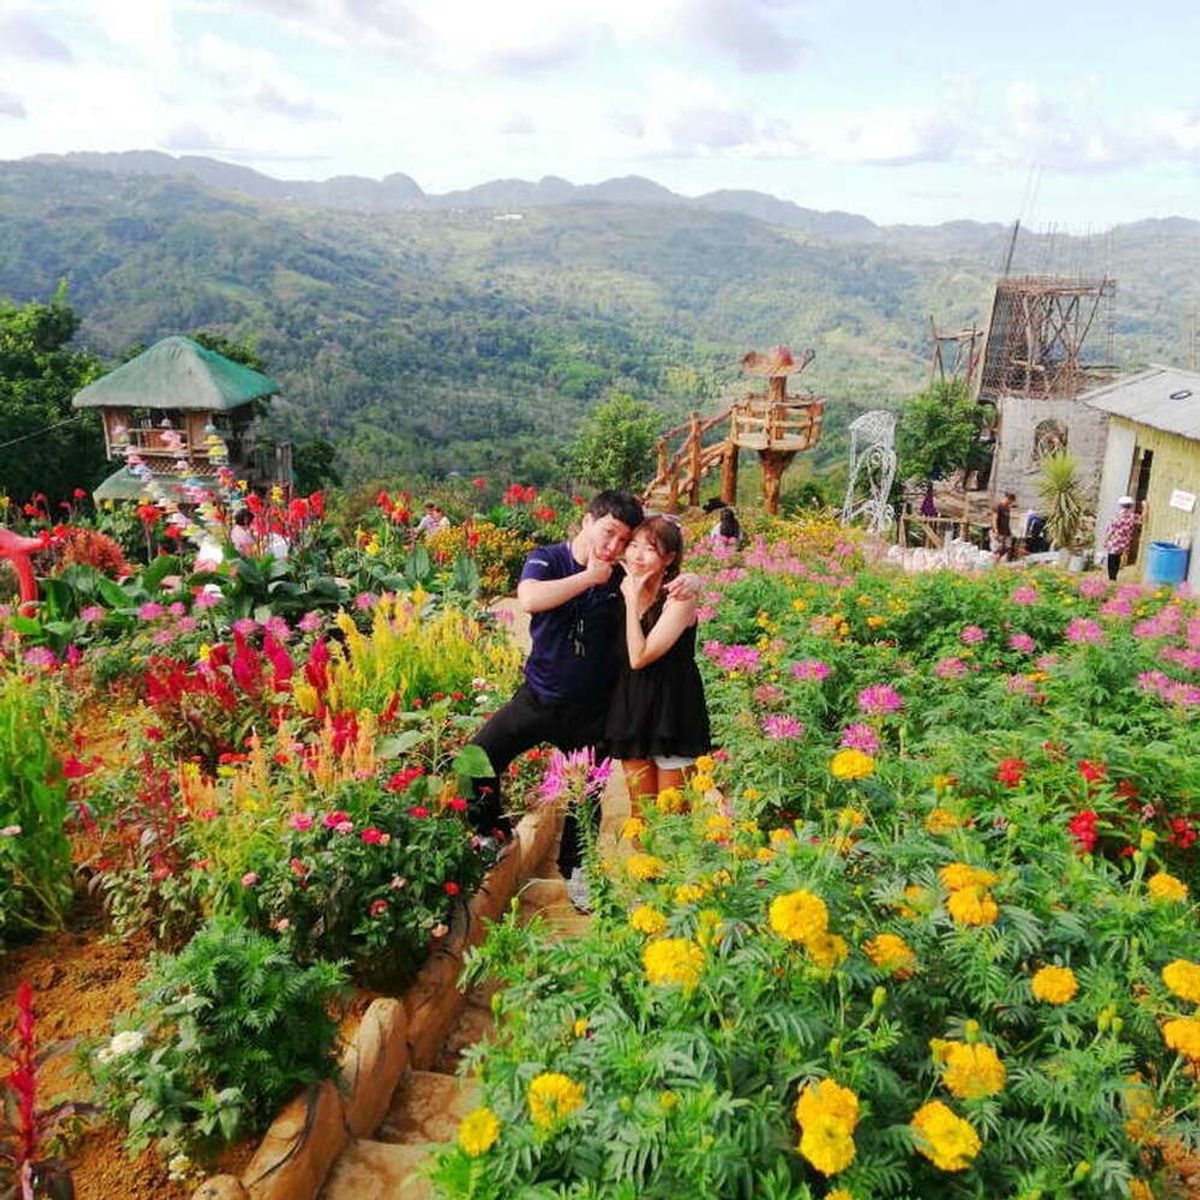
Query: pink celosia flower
(972, 635)
(782, 727)
(859, 736)
(879, 700)
(810, 668)
(1022, 642)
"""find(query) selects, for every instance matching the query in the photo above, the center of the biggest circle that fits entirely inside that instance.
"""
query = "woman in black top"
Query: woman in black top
(658, 718)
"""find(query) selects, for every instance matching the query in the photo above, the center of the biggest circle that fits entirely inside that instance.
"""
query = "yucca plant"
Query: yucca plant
(1061, 492)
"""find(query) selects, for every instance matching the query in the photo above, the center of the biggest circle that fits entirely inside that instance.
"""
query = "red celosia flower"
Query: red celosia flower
(1082, 827)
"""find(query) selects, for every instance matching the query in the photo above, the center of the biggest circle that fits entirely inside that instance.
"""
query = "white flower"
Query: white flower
(179, 1167)
(10, 831)
(125, 1042)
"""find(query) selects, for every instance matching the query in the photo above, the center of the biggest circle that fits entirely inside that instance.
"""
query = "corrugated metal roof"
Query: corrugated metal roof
(177, 373)
(1166, 398)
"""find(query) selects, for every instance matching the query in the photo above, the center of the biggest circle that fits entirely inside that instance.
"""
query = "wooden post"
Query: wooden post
(694, 460)
(729, 473)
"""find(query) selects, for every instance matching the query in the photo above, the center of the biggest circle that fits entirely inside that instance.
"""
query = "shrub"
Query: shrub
(228, 1030)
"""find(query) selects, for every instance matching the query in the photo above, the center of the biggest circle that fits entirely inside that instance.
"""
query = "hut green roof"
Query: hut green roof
(177, 373)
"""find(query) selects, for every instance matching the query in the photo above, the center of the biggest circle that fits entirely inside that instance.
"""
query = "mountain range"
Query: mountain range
(475, 329)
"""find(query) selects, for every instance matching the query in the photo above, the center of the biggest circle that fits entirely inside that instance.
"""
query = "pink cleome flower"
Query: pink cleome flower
(1022, 642)
(879, 700)
(782, 728)
(1024, 595)
(972, 635)
(1084, 632)
(860, 736)
(812, 669)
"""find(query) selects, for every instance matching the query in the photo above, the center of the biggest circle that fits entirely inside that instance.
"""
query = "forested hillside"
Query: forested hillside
(460, 338)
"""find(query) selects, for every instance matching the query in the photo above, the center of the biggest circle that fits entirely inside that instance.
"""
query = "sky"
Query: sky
(1070, 116)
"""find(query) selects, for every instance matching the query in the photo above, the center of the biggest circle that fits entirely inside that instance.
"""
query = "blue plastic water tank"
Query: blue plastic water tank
(1166, 563)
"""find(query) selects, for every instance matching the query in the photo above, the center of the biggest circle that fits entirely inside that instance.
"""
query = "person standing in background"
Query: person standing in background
(1119, 535)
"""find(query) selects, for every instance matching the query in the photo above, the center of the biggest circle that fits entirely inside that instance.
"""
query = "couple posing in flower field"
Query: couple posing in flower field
(612, 663)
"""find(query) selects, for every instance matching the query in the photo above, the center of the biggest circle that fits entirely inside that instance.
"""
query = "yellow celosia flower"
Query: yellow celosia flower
(478, 1131)
(689, 893)
(798, 916)
(943, 1137)
(706, 764)
(827, 950)
(941, 821)
(959, 875)
(552, 1097)
(670, 800)
(826, 1144)
(851, 764)
(972, 1071)
(1183, 1036)
(891, 953)
(1054, 985)
(1183, 978)
(645, 866)
(972, 906)
(673, 960)
(648, 920)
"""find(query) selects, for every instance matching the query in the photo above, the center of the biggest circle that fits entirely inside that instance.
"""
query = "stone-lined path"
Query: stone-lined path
(428, 1105)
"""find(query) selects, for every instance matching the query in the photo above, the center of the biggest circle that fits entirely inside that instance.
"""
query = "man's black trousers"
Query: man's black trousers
(523, 723)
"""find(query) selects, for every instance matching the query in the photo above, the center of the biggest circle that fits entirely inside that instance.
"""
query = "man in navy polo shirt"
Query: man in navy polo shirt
(572, 590)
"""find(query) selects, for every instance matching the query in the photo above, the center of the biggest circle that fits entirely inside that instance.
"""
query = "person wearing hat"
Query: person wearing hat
(1119, 535)
(433, 520)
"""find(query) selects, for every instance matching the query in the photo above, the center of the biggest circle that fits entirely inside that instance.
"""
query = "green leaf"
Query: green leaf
(472, 761)
(399, 743)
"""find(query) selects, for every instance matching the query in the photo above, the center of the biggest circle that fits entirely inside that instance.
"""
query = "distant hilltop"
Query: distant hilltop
(398, 192)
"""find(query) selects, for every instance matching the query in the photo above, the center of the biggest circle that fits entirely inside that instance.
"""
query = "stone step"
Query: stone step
(427, 1107)
(370, 1170)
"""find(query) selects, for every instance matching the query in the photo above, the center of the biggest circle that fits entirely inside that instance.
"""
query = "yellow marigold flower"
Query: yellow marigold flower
(841, 844)
(1138, 1102)
(799, 605)
(721, 878)
(1183, 978)
(633, 829)
(1139, 1189)
(1054, 985)
(779, 836)
(827, 950)
(941, 821)
(839, 1194)
(874, 621)
(959, 875)
(673, 960)
(670, 800)
(914, 893)
(478, 1131)
(1183, 1036)
(689, 893)
(972, 906)
(827, 1145)
(827, 1098)
(972, 1071)
(764, 854)
(717, 828)
(709, 927)
(851, 817)
(751, 793)
(702, 783)
(798, 916)
(943, 1137)
(552, 1097)
(891, 953)
(644, 867)
(706, 764)
(1167, 887)
(851, 764)
(648, 920)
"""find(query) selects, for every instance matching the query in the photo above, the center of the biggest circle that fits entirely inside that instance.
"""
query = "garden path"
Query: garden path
(428, 1105)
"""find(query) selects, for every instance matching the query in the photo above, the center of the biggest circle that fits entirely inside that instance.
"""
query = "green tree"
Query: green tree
(615, 443)
(46, 446)
(939, 432)
(314, 465)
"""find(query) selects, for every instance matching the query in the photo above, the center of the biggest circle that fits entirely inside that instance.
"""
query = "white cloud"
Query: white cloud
(12, 106)
(253, 78)
(23, 36)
